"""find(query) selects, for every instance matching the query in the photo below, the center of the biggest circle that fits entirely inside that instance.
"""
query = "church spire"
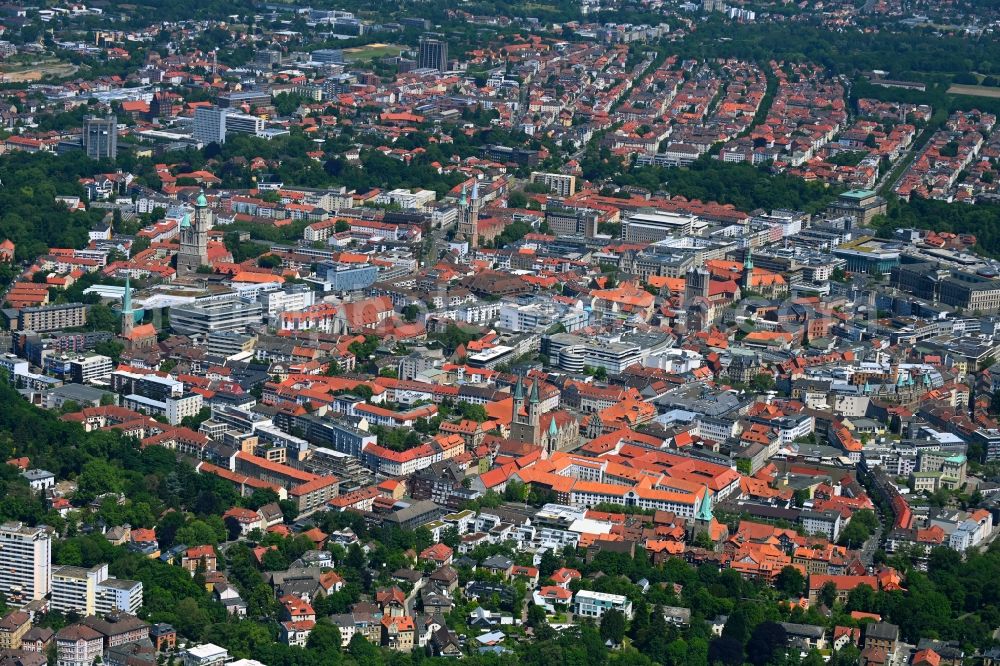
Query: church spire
(128, 314)
(705, 510)
(747, 268)
(127, 296)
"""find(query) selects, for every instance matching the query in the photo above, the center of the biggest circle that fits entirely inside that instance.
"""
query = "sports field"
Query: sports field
(976, 91)
(371, 51)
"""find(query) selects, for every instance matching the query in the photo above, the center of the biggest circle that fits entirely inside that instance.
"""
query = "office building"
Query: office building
(869, 255)
(861, 206)
(649, 226)
(90, 368)
(349, 277)
(510, 155)
(209, 125)
(328, 56)
(213, 124)
(251, 98)
(561, 184)
(25, 562)
(230, 343)
(225, 312)
(565, 221)
(241, 123)
(100, 137)
(433, 52)
(173, 409)
(147, 385)
(337, 435)
(291, 298)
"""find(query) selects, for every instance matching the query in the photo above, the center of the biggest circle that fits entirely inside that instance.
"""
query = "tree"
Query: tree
(854, 535)
(324, 637)
(111, 348)
(828, 594)
(450, 537)
(862, 598)
(767, 641)
(98, 477)
(363, 651)
(198, 533)
(102, 318)
(411, 312)
(191, 618)
(725, 650)
(762, 383)
(274, 560)
(790, 581)
(613, 626)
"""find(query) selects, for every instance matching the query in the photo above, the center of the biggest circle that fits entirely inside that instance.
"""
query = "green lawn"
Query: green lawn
(371, 51)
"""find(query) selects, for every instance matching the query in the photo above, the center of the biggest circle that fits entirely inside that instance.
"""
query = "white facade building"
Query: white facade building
(25, 562)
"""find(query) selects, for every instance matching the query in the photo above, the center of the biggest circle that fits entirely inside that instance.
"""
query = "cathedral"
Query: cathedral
(193, 252)
(553, 431)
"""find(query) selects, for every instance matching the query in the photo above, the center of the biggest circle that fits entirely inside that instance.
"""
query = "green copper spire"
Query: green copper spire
(518, 389)
(201, 201)
(534, 392)
(705, 510)
(127, 296)
(553, 430)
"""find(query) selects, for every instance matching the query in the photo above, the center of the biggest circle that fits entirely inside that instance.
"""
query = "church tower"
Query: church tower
(194, 239)
(525, 426)
(552, 437)
(696, 284)
(596, 426)
(518, 398)
(468, 217)
(128, 314)
(747, 269)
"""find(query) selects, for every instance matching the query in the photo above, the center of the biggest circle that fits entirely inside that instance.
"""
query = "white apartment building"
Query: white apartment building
(405, 198)
(187, 405)
(25, 562)
(118, 595)
(588, 603)
(280, 301)
(208, 654)
(971, 532)
(74, 589)
(93, 592)
(563, 185)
